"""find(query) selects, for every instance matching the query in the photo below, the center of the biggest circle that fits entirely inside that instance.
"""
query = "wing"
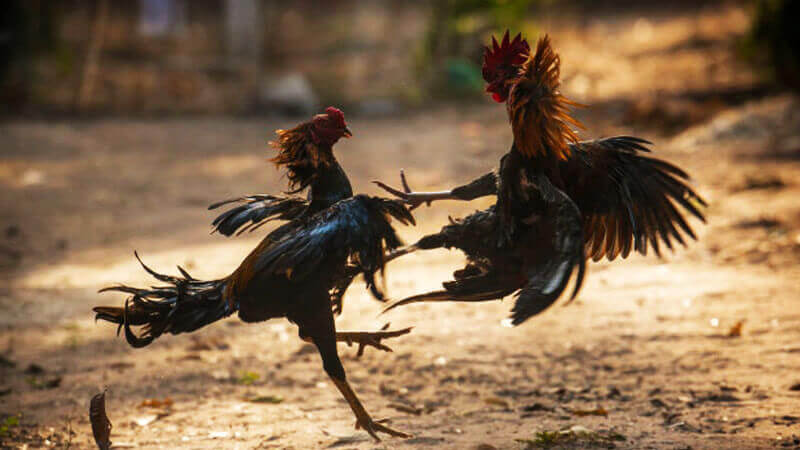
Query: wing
(254, 211)
(558, 254)
(356, 229)
(628, 200)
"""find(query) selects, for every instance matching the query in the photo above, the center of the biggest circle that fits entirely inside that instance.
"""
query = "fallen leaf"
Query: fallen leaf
(272, 399)
(736, 330)
(408, 409)
(247, 378)
(537, 407)
(121, 365)
(497, 402)
(101, 426)
(599, 411)
(156, 403)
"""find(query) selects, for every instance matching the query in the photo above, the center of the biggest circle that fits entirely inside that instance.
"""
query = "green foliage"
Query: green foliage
(575, 435)
(248, 378)
(270, 399)
(7, 424)
(448, 61)
(772, 44)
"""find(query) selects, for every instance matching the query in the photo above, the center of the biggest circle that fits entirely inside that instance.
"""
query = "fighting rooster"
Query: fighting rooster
(619, 199)
(291, 273)
(626, 199)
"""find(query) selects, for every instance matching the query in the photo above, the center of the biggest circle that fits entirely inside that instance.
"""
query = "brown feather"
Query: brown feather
(300, 155)
(539, 113)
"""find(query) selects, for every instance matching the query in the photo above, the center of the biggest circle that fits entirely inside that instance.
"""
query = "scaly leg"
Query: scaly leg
(363, 419)
(333, 367)
(370, 338)
(415, 199)
(394, 254)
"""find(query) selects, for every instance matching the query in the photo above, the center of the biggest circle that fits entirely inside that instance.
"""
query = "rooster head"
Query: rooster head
(501, 63)
(329, 127)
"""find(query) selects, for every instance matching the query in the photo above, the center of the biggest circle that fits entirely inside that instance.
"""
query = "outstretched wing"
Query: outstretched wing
(254, 211)
(356, 229)
(627, 199)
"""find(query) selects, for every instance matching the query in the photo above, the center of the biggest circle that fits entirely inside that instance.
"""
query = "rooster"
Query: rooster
(628, 201)
(292, 272)
(309, 165)
(619, 199)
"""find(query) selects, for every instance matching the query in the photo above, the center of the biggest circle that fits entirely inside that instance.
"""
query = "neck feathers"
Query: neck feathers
(540, 115)
(301, 157)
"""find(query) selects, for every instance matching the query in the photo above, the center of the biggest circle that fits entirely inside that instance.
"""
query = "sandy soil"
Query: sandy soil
(646, 346)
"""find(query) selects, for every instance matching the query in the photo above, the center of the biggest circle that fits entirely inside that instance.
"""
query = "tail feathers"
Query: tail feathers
(183, 306)
(254, 211)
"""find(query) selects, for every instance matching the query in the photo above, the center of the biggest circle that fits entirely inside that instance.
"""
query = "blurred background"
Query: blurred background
(256, 56)
(120, 121)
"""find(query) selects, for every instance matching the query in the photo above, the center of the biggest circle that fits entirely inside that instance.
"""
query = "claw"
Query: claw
(373, 427)
(371, 339)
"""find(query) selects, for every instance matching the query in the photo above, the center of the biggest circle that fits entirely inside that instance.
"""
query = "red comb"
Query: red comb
(336, 115)
(500, 57)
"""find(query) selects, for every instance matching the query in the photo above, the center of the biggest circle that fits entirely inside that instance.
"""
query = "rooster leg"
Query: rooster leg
(370, 339)
(363, 419)
(333, 367)
(394, 254)
(415, 199)
(318, 325)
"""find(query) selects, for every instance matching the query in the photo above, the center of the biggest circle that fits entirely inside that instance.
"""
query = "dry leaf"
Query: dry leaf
(272, 399)
(408, 409)
(497, 402)
(101, 426)
(156, 403)
(736, 330)
(599, 411)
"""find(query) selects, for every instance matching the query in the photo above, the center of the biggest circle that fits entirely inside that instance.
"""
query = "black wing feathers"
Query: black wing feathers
(254, 211)
(357, 228)
(629, 201)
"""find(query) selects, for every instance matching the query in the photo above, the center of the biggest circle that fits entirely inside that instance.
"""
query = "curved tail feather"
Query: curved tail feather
(183, 306)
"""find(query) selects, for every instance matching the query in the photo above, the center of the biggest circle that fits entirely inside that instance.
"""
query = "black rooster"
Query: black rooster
(292, 272)
(626, 199)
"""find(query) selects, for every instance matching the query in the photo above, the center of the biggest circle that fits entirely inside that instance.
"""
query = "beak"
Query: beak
(347, 133)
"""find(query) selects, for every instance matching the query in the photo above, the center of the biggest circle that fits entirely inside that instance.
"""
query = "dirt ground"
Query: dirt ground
(643, 359)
